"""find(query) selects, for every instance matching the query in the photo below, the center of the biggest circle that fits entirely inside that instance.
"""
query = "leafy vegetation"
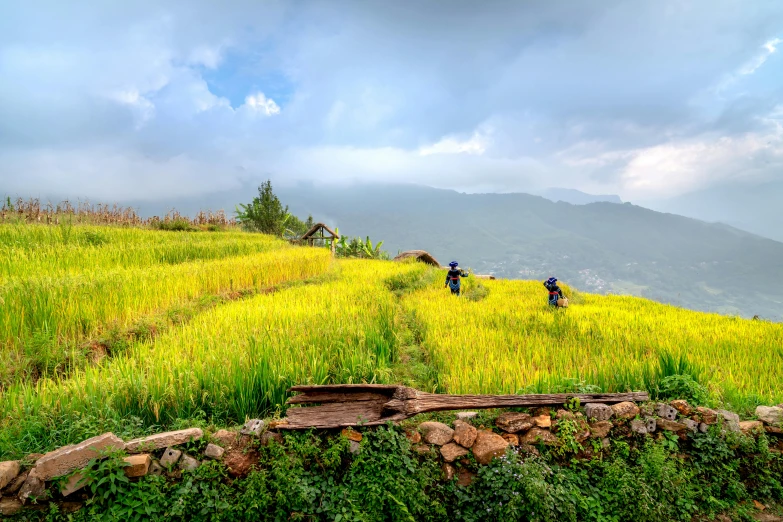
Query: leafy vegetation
(316, 477)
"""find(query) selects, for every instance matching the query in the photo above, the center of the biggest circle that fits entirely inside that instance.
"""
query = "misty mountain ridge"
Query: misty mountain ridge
(577, 197)
(602, 247)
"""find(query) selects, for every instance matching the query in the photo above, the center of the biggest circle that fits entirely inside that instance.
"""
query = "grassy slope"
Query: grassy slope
(236, 359)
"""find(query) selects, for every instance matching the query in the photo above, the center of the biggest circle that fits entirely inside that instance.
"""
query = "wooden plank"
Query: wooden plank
(343, 405)
(325, 397)
(346, 388)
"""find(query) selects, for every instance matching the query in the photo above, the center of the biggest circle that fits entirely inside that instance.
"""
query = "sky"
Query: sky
(153, 100)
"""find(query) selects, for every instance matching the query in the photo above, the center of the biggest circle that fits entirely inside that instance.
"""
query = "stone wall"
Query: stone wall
(60, 475)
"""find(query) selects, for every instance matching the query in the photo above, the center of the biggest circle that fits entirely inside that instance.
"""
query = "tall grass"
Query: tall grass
(511, 340)
(74, 291)
(230, 362)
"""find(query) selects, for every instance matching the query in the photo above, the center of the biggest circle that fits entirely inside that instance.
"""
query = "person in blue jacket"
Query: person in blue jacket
(555, 293)
(453, 277)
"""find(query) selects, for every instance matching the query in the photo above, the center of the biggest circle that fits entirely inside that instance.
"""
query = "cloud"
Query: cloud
(260, 103)
(611, 96)
(476, 144)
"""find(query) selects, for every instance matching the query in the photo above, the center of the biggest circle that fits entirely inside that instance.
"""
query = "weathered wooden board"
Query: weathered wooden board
(340, 406)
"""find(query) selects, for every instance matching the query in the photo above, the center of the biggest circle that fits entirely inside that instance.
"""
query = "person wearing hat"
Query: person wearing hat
(453, 278)
(556, 297)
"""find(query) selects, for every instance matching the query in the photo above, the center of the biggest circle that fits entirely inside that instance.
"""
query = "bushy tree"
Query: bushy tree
(265, 213)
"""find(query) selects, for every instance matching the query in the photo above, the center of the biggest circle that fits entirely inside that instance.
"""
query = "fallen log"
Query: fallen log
(344, 405)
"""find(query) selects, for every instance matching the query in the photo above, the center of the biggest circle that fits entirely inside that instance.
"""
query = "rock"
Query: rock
(539, 436)
(31, 459)
(564, 414)
(269, 437)
(543, 421)
(544, 410)
(750, 427)
(605, 443)
(225, 437)
(464, 434)
(692, 425)
(639, 426)
(708, 416)
(730, 420)
(351, 435)
(527, 448)
(213, 451)
(772, 430)
(163, 440)
(703, 427)
(512, 422)
(600, 429)
(8, 472)
(354, 447)
(465, 415)
(436, 433)
(448, 471)
(9, 506)
(511, 438)
(240, 461)
(155, 468)
(14, 486)
(452, 451)
(683, 407)
(598, 412)
(488, 445)
(465, 477)
(651, 424)
(33, 487)
(138, 465)
(583, 430)
(668, 425)
(421, 449)
(772, 415)
(728, 416)
(188, 463)
(170, 457)
(413, 436)
(69, 458)
(665, 411)
(625, 410)
(75, 482)
(252, 427)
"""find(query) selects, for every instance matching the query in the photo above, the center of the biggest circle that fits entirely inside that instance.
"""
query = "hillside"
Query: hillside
(134, 331)
(599, 247)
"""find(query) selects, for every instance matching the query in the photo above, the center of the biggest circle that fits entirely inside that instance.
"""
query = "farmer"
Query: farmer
(555, 293)
(453, 278)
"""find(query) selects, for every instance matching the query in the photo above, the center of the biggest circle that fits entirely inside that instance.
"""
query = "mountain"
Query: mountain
(598, 247)
(577, 197)
(751, 207)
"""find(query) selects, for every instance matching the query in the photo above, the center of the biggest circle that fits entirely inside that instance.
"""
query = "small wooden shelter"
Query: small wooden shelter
(420, 255)
(320, 234)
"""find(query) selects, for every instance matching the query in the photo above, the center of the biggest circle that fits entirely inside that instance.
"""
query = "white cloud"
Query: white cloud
(752, 66)
(144, 109)
(477, 144)
(258, 102)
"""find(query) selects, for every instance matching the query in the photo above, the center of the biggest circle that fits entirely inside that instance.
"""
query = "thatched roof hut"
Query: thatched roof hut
(420, 255)
(318, 233)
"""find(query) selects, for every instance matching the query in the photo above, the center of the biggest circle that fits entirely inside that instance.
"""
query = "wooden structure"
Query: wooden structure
(320, 233)
(421, 255)
(343, 405)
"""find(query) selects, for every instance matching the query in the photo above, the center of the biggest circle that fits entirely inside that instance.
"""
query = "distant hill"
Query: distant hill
(577, 197)
(751, 207)
(599, 247)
